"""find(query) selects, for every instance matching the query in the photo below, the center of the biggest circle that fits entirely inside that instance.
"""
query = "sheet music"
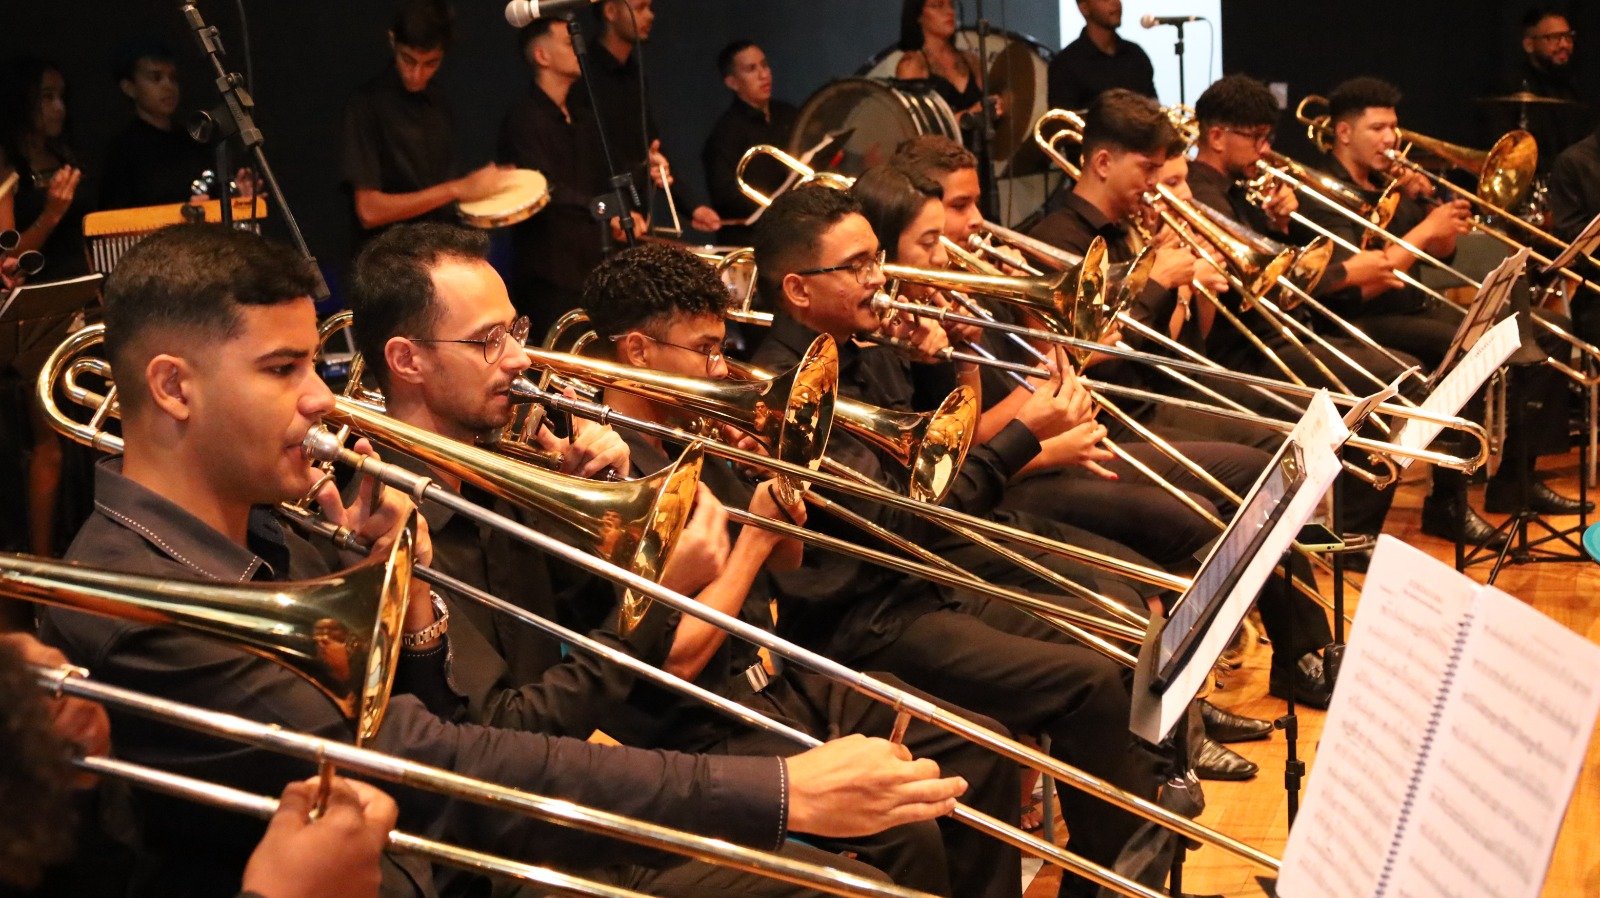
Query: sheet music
(1487, 305)
(1482, 360)
(1411, 613)
(1359, 412)
(1583, 244)
(1318, 433)
(1506, 753)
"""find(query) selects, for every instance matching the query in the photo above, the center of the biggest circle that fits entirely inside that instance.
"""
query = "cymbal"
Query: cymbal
(1527, 96)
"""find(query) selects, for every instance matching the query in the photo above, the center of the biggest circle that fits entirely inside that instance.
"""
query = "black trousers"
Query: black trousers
(946, 858)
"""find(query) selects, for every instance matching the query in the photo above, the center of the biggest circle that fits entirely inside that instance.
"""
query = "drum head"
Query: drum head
(868, 119)
(526, 193)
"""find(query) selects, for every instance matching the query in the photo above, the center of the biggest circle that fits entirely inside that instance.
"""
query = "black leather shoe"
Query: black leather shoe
(1214, 761)
(1501, 497)
(1307, 680)
(1225, 726)
(1449, 519)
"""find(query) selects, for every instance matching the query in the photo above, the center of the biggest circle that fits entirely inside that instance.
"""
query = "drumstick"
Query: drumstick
(672, 206)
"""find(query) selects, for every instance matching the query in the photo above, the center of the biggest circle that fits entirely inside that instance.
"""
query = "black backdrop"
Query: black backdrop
(309, 55)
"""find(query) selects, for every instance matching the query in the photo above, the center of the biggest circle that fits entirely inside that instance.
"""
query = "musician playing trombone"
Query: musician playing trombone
(819, 264)
(660, 308)
(1364, 127)
(211, 335)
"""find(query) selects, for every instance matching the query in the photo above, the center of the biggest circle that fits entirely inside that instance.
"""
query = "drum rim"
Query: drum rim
(470, 213)
(927, 103)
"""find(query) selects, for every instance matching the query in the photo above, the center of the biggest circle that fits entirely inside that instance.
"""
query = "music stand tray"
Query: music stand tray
(28, 312)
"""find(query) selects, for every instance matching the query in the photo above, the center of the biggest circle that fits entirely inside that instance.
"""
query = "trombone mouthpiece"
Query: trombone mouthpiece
(525, 390)
(321, 444)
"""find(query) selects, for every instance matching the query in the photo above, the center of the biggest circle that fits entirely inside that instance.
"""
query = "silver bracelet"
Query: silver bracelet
(439, 627)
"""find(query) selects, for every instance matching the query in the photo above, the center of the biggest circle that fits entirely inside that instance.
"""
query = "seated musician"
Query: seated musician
(211, 334)
(436, 321)
(661, 308)
(1364, 128)
(818, 262)
(51, 851)
(1574, 201)
(153, 160)
(396, 140)
(754, 117)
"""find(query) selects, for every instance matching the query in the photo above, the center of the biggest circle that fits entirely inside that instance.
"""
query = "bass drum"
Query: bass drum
(853, 124)
(1018, 71)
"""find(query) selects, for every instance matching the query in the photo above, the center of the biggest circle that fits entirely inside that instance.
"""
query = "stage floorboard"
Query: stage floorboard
(1256, 811)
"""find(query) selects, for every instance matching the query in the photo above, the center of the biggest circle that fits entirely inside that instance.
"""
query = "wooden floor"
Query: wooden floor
(1256, 811)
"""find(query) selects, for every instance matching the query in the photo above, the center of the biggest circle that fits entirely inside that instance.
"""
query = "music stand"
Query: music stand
(28, 315)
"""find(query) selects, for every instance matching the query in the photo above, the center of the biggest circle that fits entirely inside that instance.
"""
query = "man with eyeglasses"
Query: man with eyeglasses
(437, 327)
(820, 267)
(1545, 68)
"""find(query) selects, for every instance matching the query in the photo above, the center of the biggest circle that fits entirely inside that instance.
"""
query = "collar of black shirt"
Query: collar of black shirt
(1097, 220)
(789, 333)
(1117, 48)
(184, 538)
(750, 113)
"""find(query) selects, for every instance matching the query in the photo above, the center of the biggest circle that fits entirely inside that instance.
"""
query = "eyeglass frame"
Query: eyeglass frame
(1571, 34)
(721, 355)
(1256, 136)
(861, 268)
(496, 335)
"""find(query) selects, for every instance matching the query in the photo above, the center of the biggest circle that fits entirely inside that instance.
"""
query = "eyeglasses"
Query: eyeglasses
(494, 342)
(1557, 36)
(713, 358)
(1259, 136)
(863, 269)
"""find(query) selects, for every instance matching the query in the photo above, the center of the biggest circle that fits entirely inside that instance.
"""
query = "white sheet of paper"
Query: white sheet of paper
(1410, 615)
(1318, 433)
(1583, 244)
(1506, 753)
(1482, 360)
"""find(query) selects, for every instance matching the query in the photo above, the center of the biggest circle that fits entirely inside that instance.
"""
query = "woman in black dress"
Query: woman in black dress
(927, 28)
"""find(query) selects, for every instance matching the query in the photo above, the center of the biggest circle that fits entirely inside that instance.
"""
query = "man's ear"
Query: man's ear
(1527, 45)
(1214, 136)
(1341, 132)
(126, 86)
(1100, 163)
(730, 83)
(405, 363)
(797, 291)
(634, 349)
(169, 380)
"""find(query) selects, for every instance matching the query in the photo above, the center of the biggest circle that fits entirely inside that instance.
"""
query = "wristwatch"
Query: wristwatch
(439, 627)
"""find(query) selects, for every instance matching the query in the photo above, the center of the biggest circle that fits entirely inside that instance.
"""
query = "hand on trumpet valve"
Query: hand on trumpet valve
(702, 547)
(1445, 222)
(79, 722)
(856, 786)
(335, 854)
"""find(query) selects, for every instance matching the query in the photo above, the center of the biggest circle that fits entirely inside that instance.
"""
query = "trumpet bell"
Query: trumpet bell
(1508, 169)
(632, 523)
(341, 633)
(1310, 264)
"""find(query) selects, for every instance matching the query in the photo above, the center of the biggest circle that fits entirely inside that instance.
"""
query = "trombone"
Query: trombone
(325, 446)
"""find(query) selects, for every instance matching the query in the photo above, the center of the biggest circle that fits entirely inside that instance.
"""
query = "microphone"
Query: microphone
(522, 12)
(1147, 21)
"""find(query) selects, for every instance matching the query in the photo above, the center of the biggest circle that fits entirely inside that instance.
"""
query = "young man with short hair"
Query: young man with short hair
(753, 117)
(153, 160)
(396, 141)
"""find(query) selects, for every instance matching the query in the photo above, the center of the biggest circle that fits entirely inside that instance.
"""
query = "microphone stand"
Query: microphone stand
(623, 198)
(1177, 49)
(238, 108)
(982, 145)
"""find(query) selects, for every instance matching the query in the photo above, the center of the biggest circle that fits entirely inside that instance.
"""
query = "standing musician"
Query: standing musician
(663, 309)
(1544, 68)
(754, 117)
(544, 130)
(612, 68)
(1099, 60)
(211, 335)
(414, 286)
(395, 148)
(819, 264)
(927, 28)
(1362, 114)
(1574, 187)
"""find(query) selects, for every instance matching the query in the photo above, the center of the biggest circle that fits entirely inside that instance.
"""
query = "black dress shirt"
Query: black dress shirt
(1575, 187)
(506, 673)
(1554, 127)
(201, 852)
(1081, 72)
(558, 247)
(146, 166)
(1348, 302)
(741, 127)
(842, 605)
(623, 109)
(396, 141)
